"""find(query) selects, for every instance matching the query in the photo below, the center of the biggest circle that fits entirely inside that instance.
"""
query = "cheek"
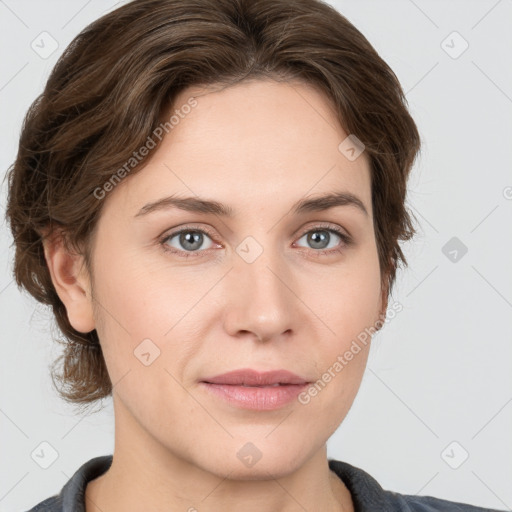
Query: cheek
(341, 364)
(137, 301)
(349, 300)
(149, 298)
(145, 314)
(349, 306)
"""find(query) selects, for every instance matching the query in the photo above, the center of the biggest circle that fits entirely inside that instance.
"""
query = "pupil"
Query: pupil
(189, 238)
(319, 237)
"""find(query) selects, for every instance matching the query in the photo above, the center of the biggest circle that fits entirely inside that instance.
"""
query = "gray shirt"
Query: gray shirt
(367, 494)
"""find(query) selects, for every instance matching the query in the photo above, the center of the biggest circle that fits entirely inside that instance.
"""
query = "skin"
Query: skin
(258, 147)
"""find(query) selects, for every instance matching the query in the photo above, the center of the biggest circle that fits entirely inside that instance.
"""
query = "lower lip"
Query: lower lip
(256, 398)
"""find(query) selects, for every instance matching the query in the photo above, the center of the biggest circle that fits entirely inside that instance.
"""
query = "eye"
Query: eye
(186, 242)
(320, 238)
(190, 241)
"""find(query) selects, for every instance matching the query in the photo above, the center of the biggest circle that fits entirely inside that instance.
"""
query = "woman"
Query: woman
(210, 195)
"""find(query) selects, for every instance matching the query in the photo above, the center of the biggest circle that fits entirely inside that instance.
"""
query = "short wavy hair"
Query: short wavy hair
(109, 90)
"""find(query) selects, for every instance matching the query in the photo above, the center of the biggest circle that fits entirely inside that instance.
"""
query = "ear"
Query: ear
(384, 303)
(71, 281)
(385, 293)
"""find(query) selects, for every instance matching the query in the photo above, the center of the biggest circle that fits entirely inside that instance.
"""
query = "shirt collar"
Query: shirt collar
(367, 494)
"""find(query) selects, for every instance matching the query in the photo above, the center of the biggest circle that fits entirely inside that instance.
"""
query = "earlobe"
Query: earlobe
(71, 281)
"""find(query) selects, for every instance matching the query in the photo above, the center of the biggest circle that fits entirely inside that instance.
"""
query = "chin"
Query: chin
(255, 461)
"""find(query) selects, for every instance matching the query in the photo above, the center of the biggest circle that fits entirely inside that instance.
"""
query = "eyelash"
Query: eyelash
(347, 241)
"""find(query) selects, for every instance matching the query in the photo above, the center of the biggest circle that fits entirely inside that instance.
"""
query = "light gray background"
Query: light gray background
(440, 371)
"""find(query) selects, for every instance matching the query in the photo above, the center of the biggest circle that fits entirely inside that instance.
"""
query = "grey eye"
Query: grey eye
(188, 240)
(320, 238)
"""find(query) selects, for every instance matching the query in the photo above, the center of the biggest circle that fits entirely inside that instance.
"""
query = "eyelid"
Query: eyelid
(346, 238)
(324, 225)
(311, 226)
(188, 227)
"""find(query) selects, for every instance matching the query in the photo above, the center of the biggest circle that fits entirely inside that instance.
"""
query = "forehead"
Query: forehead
(259, 109)
(256, 143)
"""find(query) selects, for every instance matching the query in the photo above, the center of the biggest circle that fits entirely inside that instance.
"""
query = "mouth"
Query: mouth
(249, 389)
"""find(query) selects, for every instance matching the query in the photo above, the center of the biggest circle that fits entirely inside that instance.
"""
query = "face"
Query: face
(268, 287)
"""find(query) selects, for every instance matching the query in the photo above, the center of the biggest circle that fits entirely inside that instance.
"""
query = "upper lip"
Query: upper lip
(249, 377)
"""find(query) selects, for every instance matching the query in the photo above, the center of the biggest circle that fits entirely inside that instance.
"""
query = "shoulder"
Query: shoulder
(52, 504)
(72, 495)
(369, 496)
(409, 503)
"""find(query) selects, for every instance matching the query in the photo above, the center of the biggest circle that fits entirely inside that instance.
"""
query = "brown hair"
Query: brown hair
(109, 90)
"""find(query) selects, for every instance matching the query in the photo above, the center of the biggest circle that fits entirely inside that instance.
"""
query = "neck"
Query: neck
(144, 475)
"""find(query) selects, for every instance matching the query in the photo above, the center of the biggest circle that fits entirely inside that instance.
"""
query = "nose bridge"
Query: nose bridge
(262, 298)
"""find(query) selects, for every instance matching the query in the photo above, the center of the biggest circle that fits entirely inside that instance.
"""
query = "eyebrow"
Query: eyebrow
(199, 205)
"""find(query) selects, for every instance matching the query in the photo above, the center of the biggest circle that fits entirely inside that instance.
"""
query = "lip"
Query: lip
(250, 389)
(250, 377)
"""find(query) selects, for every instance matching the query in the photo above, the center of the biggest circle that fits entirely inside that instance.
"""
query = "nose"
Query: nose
(261, 300)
